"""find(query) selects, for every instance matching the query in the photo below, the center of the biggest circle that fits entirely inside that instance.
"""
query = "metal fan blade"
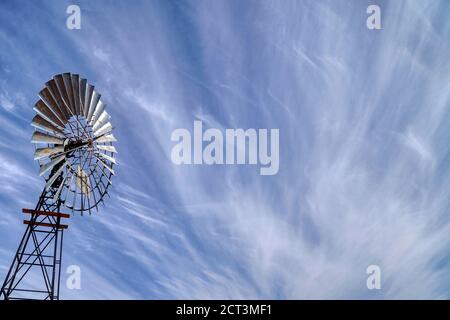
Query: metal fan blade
(95, 99)
(106, 157)
(97, 112)
(53, 88)
(88, 98)
(51, 103)
(59, 80)
(106, 176)
(52, 179)
(76, 93)
(39, 137)
(49, 165)
(102, 119)
(61, 186)
(45, 113)
(83, 181)
(46, 152)
(106, 166)
(41, 123)
(106, 138)
(104, 129)
(107, 148)
(82, 91)
(69, 184)
(69, 91)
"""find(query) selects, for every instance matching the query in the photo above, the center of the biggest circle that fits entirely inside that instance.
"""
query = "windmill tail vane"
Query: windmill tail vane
(74, 149)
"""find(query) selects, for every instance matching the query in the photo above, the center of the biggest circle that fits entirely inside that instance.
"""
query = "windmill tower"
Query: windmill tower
(74, 148)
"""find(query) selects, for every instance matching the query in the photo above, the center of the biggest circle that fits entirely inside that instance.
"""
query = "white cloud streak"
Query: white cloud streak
(363, 177)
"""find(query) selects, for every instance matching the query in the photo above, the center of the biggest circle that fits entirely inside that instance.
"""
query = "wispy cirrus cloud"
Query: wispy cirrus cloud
(362, 115)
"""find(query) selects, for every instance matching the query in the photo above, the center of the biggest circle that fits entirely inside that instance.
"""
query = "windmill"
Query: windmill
(74, 148)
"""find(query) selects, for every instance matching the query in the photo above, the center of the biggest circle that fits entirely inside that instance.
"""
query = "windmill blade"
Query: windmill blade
(51, 103)
(40, 123)
(42, 110)
(82, 92)
(93, 194)
(53, 88)
(61, 186)
(103, 173)
(97, 112)
(47, 152)
(69, 184)
(59, 80)
(88, 98)
(106, 157)
(100, 183)
(39, 137)
(69, 91)
(49, 165)
(76, 93)
(83, 181)
(52, 179)
(104, 129)
(102, 119)
(106, 138)
(95, 99)
(107, 148)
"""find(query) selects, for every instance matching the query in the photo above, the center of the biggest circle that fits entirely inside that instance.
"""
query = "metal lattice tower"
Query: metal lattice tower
(75, 152)
(39, 254)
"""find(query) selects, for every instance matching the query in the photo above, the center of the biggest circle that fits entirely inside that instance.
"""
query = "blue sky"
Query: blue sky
(364, 145)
